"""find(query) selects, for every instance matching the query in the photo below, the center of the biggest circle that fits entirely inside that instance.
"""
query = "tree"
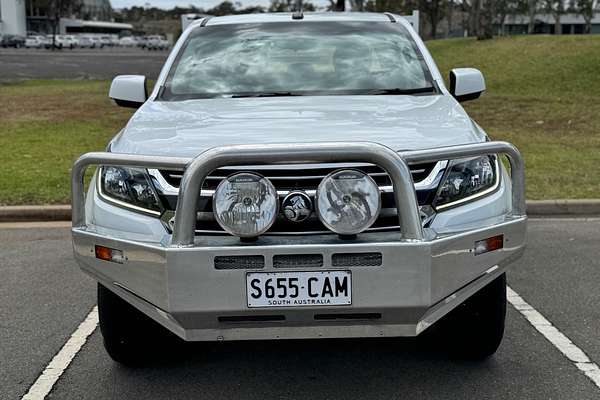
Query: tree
(357, 5)
(434, 10)
(57, 9)
(504, 8)
(393, 6)
(337, 5)
(470, 16)
(449, 14)
(556, 8)
(532, 6)
(225, 8)
(587, 9)
(290, 5)
(486, 19)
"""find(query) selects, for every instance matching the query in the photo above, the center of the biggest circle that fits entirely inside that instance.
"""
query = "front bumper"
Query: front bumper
(423, 274)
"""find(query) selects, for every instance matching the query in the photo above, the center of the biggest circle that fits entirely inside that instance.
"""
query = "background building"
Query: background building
(12, 17)
(85, 16)
(544, 23)
(69, 26)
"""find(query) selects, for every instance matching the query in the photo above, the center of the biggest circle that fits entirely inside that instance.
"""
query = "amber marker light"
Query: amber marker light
(108, 254)
(489, 244)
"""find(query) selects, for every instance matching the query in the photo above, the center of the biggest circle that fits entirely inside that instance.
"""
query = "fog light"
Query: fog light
(348, 201)
(245, 204)
(108, 254)
(489, 244)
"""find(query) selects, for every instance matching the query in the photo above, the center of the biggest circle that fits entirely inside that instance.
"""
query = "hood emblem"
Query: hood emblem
(297, 206)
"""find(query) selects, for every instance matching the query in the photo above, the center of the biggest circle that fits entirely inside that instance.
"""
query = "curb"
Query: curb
(35, 213)
(582, 207)
(535, 208)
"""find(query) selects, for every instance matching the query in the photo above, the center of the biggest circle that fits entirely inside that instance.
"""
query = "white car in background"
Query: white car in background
(105, 41)
(59, 42)
(156, 42)
(96, 42)
(72, 40)
(127, 41)
(86, 42)
(36, 42)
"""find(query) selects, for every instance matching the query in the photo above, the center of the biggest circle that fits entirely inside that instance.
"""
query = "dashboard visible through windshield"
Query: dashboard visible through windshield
(289, 59)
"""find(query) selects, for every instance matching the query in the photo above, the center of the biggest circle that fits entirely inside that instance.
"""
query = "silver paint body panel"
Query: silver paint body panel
(187, 128)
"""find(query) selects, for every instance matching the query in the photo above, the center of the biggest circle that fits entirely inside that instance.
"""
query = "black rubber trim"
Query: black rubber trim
(355, 316)
(250, 318)
(128, 104)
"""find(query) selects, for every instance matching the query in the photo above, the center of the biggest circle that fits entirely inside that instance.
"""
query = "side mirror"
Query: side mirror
(466, 83)
(129, 90)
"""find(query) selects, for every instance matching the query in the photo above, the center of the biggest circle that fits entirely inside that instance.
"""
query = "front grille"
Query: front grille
(239, 262)
(357, 260)
(291, 177)
(298, 261)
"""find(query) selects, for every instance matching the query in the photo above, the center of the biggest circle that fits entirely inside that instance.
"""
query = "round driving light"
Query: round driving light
(348, 201)
(245, 204)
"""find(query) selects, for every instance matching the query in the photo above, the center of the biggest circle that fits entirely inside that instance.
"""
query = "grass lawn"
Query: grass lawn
(543, 95)
(45, 126)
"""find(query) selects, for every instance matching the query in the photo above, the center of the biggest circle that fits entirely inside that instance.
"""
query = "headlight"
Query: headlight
(466, 180)
(348, 201)
(245, 204)
(129, 187)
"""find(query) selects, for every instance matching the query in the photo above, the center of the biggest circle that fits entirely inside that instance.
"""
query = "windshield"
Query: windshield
(304, 58)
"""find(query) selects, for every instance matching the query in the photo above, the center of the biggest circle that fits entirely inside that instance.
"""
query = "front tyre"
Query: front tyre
(130, 337)
(474, 330)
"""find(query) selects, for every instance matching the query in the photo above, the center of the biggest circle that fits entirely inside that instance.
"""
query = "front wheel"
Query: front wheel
(474, 329)
(130, 337)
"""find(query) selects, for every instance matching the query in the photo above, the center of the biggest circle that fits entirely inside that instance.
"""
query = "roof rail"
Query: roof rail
(204, 21)
(390, 16)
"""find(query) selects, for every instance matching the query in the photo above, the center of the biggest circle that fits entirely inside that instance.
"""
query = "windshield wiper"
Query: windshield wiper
(264, 94)
(429, 89)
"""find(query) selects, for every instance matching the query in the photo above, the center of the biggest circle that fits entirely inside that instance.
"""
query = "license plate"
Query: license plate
(298, 289)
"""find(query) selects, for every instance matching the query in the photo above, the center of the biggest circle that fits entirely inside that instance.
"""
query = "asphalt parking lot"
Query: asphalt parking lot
(45, 297)
(20, 64)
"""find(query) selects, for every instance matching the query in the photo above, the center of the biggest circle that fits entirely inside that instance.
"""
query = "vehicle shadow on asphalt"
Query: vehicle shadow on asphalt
(341, 368)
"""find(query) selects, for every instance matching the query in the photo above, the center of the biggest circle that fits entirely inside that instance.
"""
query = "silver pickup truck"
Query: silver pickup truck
(296, 176)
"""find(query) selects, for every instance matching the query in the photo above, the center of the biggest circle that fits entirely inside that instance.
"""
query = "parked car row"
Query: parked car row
(154, 42)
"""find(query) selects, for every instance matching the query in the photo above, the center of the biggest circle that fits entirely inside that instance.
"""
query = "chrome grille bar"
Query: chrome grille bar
(169, 189)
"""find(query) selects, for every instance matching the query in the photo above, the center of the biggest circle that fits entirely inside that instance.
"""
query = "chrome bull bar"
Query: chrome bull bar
(394, 163)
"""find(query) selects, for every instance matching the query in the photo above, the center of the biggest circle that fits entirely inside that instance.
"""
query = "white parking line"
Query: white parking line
(538, 218)
(556, 337)
(44, 383)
